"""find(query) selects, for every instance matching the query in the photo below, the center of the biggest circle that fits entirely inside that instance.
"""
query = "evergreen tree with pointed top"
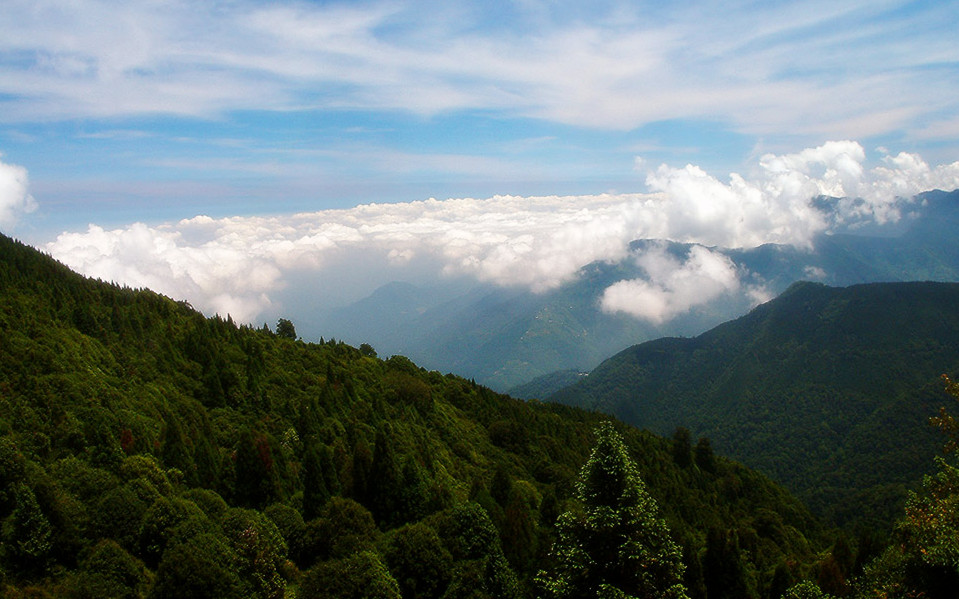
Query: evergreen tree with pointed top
(27, 533)
(385, 479)
(315, 492)
(723, 568)
(285, 329)
(617, 546)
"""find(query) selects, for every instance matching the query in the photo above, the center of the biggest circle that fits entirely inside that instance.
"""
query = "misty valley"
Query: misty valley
(507, 337)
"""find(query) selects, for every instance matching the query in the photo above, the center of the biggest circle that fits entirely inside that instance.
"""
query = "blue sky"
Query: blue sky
(113, 114)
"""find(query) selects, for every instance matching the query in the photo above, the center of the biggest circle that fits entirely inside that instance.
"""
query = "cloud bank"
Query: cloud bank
(15, 199)
(242, 265)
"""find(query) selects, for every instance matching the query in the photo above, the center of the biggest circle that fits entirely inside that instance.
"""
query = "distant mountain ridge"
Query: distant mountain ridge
(828, 390)
(505, 337)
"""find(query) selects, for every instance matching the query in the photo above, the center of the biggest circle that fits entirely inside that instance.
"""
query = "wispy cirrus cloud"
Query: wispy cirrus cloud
(241, 265)
(767, 70)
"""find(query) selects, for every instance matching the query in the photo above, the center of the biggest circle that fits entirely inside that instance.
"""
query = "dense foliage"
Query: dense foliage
(923, 558)
(817, 388)
(922, 561)
(148, 451)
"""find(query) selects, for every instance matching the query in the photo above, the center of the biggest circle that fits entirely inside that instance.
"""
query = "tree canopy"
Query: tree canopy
(923, 559)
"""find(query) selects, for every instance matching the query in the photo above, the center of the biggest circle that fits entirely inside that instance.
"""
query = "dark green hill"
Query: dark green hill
(827, 390)
(146, 450)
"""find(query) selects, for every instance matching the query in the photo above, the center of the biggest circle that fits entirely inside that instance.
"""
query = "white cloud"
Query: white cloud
(814, 273)
(773, 205)
(15, 199)
(218, 275)
(907, 174)
(672, 287)
(241, 265)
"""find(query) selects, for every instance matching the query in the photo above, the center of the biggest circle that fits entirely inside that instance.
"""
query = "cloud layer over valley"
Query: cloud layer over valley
(248, 266)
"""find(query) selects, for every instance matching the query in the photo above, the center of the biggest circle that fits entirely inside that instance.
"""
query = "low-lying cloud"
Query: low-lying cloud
(672, 286)
(15, 199)
(242, 265)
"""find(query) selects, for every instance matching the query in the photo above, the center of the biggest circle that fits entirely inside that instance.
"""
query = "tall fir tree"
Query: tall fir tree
(617, 546)
(28, 535)
(256, 477)
(723, 568)
(315, 492)
(385, 479)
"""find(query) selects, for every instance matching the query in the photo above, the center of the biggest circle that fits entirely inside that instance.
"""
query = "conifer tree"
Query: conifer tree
(618, 546)
(704, 455)
(682, 447)
(330, 477)
(12, 465)
(176, 452)
(723, 568)
(385, 476)
(285, 329)
(519, 531)
(256, 478)
(411, 504)
(315, 492)
(27, 533)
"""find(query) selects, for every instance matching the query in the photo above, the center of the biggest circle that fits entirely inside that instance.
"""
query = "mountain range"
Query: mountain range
(505, 337)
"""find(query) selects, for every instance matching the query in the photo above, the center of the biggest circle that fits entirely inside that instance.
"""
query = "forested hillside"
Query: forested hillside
(827, 390)
(146, 450)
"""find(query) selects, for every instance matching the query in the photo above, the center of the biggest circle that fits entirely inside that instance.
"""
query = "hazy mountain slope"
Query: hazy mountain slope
(547, 384)
(504, 337)
(148, 451)
(827, 390)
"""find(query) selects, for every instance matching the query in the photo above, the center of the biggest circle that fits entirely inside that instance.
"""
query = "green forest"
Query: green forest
(841, 376)
(149, 451)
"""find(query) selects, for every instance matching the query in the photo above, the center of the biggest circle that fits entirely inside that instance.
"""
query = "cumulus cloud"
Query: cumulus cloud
(774, 205)
(15, 199)
(673, 286)
(241, 265)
